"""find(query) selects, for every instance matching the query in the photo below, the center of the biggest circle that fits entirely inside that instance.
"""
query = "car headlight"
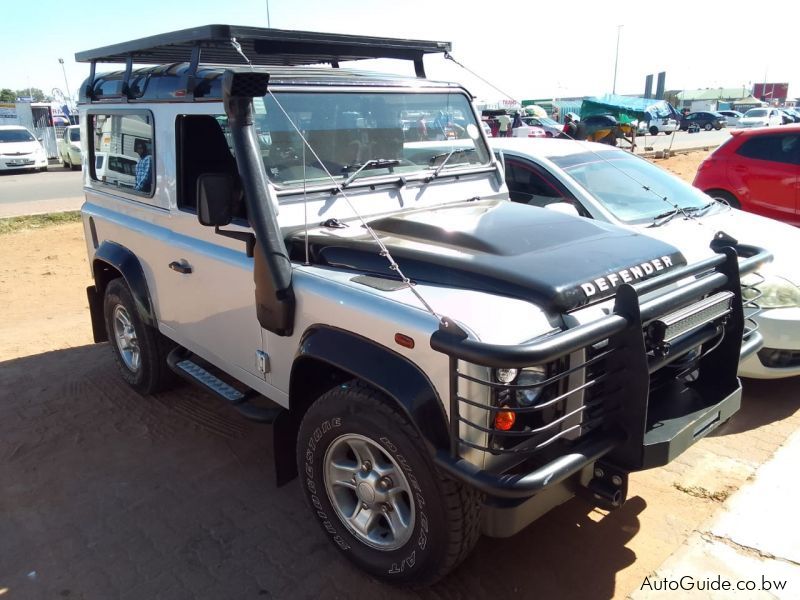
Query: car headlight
(776, 292)
(528, 376)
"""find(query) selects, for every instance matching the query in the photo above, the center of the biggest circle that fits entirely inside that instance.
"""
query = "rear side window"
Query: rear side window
(775, 148)
(122, 151)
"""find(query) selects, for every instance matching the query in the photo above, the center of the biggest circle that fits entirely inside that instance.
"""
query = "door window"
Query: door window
(775, 148)
(122, 151)
(527, 186)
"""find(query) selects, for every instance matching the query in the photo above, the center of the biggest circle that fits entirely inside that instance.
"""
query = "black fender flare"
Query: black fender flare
(358, 357)
(127, 264)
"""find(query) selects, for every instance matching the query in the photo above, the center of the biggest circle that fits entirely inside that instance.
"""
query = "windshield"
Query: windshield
(15, 135)
(617, 179)
(74, 134)
(756, 112)
(400, 133)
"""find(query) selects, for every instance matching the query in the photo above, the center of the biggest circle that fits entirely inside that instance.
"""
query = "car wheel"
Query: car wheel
(65, 160)
(654, 130)
(707, 126)
(725, 197)
(372, 486)
(140, 351)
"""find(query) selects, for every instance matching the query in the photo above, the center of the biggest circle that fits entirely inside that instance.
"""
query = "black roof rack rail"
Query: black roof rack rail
(212, 44)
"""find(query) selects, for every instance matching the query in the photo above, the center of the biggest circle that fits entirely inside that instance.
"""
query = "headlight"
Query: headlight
(776, 292)
(530, 376)
(505, 375)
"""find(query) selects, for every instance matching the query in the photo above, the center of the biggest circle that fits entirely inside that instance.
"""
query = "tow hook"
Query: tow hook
(608, 487)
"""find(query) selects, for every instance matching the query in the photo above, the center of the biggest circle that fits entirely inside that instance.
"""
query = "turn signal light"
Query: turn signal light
(504, 420)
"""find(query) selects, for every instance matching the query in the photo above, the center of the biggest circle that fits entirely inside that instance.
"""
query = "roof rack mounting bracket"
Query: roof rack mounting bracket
(188, 81)
(419, 67)
(125, 91)
(90, 86)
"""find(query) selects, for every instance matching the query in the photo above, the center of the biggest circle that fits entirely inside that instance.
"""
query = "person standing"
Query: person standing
(505, 125)
(144, 168)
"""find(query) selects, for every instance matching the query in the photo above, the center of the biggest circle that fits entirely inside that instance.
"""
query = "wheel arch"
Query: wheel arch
(327, 357)
(110, 261)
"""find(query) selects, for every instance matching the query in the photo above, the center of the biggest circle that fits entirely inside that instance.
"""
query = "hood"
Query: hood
(693, 236)
(19, 148)
(557, 261)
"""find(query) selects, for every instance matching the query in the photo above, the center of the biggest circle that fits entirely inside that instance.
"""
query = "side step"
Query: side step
(190, 367)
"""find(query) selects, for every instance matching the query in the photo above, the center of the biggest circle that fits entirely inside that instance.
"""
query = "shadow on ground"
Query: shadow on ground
(105, 493)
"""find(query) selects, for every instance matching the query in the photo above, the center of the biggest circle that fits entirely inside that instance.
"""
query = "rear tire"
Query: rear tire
(654, 130)
(355, 450)
(140, 351)
(726, 197)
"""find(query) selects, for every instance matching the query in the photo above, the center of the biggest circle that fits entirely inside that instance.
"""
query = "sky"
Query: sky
(521, 47)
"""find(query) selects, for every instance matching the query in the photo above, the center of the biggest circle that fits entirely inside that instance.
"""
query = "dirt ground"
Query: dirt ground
(106, 494)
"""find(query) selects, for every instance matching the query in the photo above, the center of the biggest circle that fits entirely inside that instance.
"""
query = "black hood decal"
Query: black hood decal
(557, 261)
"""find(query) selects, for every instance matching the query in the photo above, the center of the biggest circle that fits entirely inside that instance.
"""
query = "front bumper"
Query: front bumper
(780, 328)
(645, 414)
(24, 162)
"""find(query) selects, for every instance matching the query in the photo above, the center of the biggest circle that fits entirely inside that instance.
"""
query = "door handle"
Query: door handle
(180, 267)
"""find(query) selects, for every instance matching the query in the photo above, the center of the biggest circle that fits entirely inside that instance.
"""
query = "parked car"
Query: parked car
(704, 120)
(529, 131)
(757, 170)
(788, 116)
(617, 187)
(115, 169)
(435, 361)
(731, 117)
(20, 150)
(793, 112)
(761, 117)
(69, 147)
(551, 128)
(666, 125)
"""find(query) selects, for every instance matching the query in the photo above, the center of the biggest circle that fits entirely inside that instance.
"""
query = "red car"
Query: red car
(757, 170)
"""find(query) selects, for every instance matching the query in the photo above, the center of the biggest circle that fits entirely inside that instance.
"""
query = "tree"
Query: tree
(35, 93)
(7, 95)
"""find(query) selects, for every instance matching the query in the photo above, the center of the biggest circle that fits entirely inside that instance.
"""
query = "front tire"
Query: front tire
(375, 491)
(140, 351)
(654, 130)
(708, 126)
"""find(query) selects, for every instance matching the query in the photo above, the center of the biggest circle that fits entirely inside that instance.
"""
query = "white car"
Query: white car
(608, 184)
(761, 117)
(115, 169)
(732, 117)
(69, 147)
(19, 149)
(666, 125)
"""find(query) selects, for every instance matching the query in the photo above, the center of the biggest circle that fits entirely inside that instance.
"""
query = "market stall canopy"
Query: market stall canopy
(627, 109)
(750, 101)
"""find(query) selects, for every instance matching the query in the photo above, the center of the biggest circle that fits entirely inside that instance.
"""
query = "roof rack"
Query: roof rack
(213, 44)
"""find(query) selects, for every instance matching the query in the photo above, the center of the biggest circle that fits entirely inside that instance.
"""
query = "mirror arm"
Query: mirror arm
(245, 236)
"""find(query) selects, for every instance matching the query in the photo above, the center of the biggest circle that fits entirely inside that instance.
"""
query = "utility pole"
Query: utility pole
(66, 84)
(268, 25)
(616, 61)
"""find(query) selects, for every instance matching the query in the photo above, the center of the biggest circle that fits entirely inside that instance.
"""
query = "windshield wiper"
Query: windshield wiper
(664, 217)
(448, 156)
(699, 210)
(373, 163)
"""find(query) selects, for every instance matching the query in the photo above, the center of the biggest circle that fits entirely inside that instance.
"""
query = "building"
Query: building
(739, 98)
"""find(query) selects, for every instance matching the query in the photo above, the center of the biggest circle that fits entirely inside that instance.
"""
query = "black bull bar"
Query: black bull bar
(634, 420)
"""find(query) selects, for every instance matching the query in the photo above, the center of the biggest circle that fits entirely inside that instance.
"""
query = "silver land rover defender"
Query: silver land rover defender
(332, 252)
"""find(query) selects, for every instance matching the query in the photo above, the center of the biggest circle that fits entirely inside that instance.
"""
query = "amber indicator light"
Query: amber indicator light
(404, 340)
(504, 420)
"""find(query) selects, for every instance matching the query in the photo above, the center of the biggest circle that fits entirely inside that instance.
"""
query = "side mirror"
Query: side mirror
(215, 199)
(564, 208)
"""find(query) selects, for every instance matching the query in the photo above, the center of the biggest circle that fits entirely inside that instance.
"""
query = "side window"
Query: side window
(527, 186)
(122, 150)
(775, 148)
(203, 146)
